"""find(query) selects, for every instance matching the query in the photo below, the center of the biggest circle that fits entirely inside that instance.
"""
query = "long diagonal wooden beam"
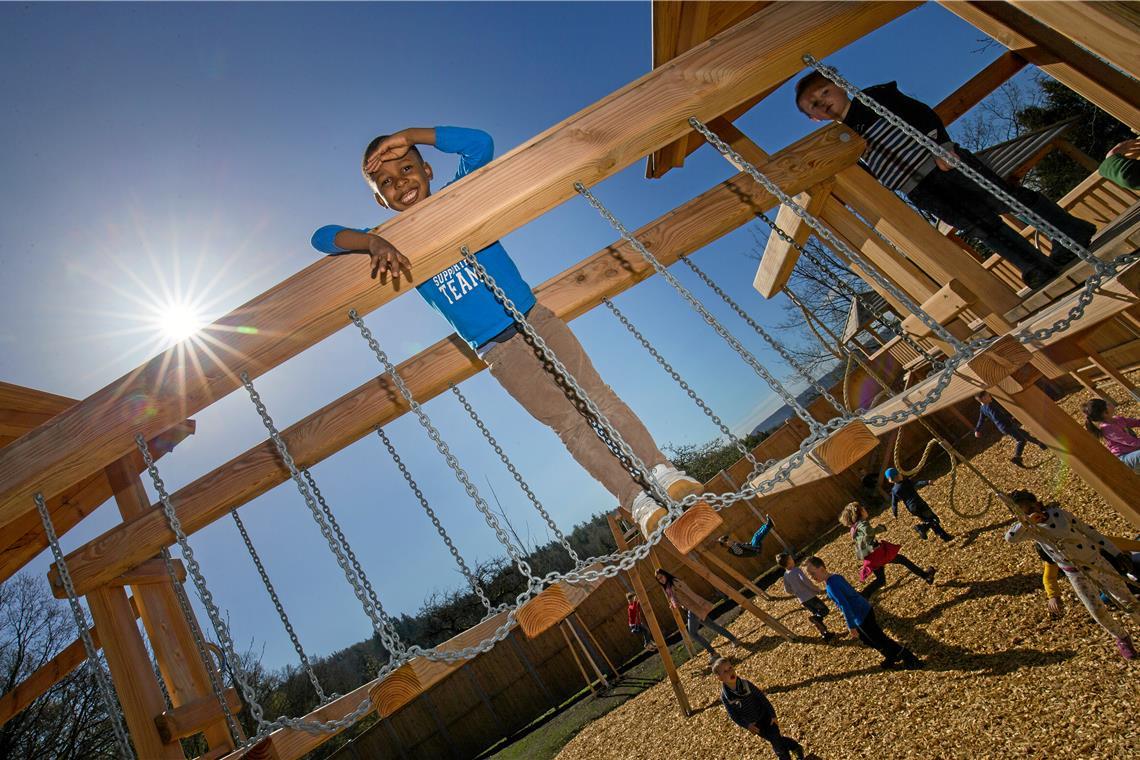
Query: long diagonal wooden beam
(595, 143)
(608, 272)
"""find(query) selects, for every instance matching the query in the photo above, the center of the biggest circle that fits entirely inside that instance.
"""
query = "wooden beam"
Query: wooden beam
(131, 671)
(946, 305)
(1087, 162)
(780, 256)
(193, 717)
(693, 527)
(40, 681)
(931, 251)
(612, 270)
(1110, 30)
(651, 619)
(510, 192)
(24, 538)
(1001, 70)
(151, 571)
(1108, 368)
(1057, 56)
(553, 604)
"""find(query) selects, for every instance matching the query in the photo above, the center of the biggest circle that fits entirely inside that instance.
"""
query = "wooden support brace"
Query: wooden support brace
(947, 304)
(957, 103)
(780, 256)
(151, 571)
(193, 717)
(845, 447)
(1108, 368)
(654, 626)
(576, 619)
(1110, 30)
(552, 605)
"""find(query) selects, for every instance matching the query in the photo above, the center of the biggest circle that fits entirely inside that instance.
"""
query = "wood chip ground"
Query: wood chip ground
(1002, 679)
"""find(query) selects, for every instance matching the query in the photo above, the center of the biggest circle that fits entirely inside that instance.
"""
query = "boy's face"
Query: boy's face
(726, 673)
(789, 563)
(402, 182)
(816, 573)
(824, 102)
(984, 398)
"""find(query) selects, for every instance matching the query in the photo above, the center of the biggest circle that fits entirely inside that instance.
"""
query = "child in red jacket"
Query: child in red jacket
(637, 621)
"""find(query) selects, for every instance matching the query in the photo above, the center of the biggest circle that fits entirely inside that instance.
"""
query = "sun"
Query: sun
(179, 321)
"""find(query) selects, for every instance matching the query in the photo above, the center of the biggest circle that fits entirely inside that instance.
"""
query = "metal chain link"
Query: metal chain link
(472, 579)
(382, 623)
(813, 425)
(278, 606)
(506, 460)
(1102, 270)
(775, 344)
(757, 467)
(102, 680)
(444, 450)
(225, 640)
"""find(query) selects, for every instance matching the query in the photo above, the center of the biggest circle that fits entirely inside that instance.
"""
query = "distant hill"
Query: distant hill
(784, 413)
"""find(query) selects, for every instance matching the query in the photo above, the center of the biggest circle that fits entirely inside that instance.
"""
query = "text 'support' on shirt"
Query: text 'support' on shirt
(457, 292)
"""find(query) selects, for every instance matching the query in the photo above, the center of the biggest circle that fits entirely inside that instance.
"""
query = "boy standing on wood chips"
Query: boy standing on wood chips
(750, 709)
(399, 178)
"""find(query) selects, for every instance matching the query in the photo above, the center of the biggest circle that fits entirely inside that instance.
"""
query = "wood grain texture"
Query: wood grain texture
(943, 307)
(845, 447)
(780, 256)
(189, 719)
(612, 270)
(692, 528)
(1056, 55)
(491, 202)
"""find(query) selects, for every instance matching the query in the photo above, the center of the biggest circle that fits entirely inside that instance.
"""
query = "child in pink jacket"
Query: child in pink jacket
(1116, 432)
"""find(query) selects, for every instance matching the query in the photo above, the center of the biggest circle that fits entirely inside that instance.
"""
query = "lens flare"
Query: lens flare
(179, 321)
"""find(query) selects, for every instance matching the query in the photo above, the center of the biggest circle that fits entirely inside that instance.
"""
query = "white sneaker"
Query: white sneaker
(646, 512)
(675, 482)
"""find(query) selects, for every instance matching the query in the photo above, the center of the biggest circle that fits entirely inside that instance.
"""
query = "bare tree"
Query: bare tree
(69, 720)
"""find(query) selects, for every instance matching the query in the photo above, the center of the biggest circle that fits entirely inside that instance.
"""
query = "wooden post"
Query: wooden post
(1110, 30)
(1058, 57)
(597, 645)
(1107, 367)
(732, 572)
(651, 619)
(186, 675)
(780, 256)
(1112, 479)
(602, 680)
(131, 671)
(577, 660)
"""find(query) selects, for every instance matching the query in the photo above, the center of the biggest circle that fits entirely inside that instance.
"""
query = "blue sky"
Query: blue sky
(158, 152)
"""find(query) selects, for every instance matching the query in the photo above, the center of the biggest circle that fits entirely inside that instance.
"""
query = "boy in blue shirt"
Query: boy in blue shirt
(990, 409)
(399, 178)
(906, 490)
(860, 616)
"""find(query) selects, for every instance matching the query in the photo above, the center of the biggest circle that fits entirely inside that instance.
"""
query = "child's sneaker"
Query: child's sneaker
(1018, 461)
(929, 576)
(921, 531)
(828, 635)
(1124, 646)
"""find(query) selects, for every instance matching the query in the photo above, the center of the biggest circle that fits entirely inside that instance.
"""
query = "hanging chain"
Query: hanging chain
(225, 640)
(445, 451)
(382, 623)
(280, 609)
(813, 425)
(1101, 269)
(102, 680)
(516, 475)
(472, 579)
(757, 467)
(775, 344)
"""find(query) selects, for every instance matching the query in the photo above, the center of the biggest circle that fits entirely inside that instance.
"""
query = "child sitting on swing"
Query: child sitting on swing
(399, 178)
(906, 490)
(753, 547)
(875, 555)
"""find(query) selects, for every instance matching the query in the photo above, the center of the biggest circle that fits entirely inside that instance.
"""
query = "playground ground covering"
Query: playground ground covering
(1002, 678)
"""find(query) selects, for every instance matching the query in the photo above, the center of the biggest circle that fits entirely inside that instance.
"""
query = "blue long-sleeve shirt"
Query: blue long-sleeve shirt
(746, 704)
(996, 413)
(849, 601)
(906, 491)
(457, 292)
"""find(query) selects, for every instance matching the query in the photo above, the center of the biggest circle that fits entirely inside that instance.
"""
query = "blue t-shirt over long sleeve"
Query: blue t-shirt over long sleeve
(457, 292)
(849, 601)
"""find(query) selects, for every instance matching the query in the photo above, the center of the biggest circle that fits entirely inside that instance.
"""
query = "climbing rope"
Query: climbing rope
(102, 680)
(522, 484)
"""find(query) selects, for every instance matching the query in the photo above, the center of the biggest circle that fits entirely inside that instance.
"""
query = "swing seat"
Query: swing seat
(552, 605)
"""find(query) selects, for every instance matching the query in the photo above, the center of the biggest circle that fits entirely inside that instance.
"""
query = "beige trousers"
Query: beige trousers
(514, 364)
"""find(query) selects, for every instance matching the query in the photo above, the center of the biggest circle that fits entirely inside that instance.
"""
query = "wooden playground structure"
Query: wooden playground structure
(712, 62)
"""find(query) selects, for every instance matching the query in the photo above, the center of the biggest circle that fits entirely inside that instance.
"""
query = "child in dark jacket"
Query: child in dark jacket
(1005, 423)
(751, 710)
(932, 184)
(906, 490)
(860, 616)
